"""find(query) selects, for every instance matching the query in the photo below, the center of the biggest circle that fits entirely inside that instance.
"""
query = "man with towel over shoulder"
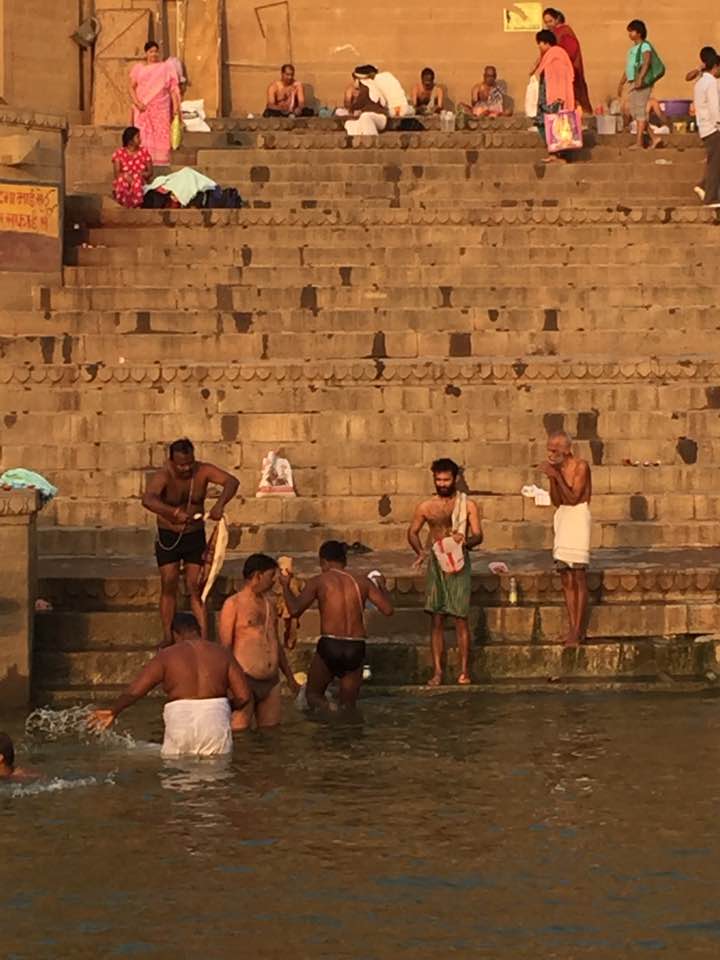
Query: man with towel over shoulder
(454, 528)
(570, 492)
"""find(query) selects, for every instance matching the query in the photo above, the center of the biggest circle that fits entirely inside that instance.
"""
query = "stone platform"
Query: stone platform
(648, 610)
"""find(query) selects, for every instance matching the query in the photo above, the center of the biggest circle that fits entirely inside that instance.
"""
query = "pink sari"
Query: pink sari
(154, 83)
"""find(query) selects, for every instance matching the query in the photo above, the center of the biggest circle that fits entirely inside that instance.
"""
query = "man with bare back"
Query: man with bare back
(454, 528)
(198, 677)
(176, 494)
(341, 600)
(249, 627)
(570, 492)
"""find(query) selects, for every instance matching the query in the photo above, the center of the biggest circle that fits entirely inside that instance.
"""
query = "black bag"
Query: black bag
(156, 200)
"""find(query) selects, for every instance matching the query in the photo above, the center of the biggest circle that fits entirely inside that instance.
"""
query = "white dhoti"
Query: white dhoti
(571, 547)
(199, 728)
(366, 125)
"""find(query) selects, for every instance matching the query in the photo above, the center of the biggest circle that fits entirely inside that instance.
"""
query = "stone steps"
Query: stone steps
(316, 297)
(459, 274)
(112, 535)
(298, 344)
(553, 324)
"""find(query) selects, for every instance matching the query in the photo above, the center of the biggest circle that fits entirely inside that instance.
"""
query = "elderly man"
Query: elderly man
(197, 677)
(570, 492)
(486, 98)
(454, 528)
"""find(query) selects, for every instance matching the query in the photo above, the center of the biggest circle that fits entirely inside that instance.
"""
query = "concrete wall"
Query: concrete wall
(39, 63)
(326, 39)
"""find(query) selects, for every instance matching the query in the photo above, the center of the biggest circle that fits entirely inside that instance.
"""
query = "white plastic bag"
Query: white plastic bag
(532, 95)
(276, 478)
(193, 116)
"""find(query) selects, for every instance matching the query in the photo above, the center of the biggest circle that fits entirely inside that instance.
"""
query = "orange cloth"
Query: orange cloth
(559, 77)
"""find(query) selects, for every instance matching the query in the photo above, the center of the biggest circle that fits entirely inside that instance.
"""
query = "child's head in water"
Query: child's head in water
(7, 756)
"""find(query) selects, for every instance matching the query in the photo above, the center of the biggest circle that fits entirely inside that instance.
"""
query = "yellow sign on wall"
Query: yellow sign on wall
(27, 208)
(523, 18)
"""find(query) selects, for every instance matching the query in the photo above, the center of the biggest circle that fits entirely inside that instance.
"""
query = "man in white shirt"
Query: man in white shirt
(706, 96)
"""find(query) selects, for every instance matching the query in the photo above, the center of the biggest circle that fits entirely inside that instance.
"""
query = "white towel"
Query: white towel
(459, 515)
(199, 728)
(572, 535)
(540, 496)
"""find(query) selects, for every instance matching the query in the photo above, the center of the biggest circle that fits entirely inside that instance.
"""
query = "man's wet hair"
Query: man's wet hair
(7, 750)
(546, 36)
(563, 434)
(287, 66)
(183, 445)
(333, 551)
(258, 563)
(445, 465)
(638, 26)
(128, 134)
(427, 72)
(184, 623)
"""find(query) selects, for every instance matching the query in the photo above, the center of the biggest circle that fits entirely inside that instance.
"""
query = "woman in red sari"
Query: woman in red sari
(132, 169)
(554, 20)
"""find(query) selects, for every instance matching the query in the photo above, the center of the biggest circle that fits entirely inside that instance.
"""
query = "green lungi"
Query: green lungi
(448, 592)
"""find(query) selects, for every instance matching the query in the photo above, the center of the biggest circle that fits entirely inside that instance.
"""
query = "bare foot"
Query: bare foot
(435, 680)
(554, 160)
(464, 679)
(568, 639)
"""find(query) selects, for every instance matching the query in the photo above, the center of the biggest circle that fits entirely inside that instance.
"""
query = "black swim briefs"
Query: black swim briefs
(171, 547)
(341, 655)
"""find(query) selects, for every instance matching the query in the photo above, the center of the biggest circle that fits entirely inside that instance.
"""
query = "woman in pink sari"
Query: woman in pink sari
(556, 94)
(155, 95)
(554, 20)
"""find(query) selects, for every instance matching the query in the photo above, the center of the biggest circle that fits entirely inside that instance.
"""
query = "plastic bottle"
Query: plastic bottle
(513, 592)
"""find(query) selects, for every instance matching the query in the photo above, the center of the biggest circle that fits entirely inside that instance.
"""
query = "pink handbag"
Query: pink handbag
(449, 555)
(563, 130)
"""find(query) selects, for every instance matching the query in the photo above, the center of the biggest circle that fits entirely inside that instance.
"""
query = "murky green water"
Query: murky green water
(561, 826)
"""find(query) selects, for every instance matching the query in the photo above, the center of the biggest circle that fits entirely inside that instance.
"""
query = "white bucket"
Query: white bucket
(606, 125)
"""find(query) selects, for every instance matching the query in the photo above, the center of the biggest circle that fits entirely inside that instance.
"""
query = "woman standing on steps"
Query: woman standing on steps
(155, 96)
(556, 93)
(554, 20)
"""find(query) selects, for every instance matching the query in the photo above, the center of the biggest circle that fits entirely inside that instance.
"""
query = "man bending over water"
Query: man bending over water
(570, 492)
(449, 515)
(176, 494)
(8, 770)
(197, 677)
(249, 627)
(341, 600)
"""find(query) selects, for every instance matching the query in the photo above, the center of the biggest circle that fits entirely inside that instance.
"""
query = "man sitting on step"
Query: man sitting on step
(570, 492)
(286, 96)
(197, 677)
(454, 528)
(341, 600)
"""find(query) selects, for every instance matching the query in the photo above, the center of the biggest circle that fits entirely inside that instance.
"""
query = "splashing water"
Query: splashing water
(59, 783)
(45, 723)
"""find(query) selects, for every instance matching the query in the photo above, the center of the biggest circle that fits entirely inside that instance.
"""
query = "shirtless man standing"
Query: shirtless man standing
(197, 677)
(249, 627)
(176, 493)
(447, 594)
(570, 492)
(286, 96)
(341, 600)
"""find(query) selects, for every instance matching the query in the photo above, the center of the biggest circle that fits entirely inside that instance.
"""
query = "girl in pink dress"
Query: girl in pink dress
(155, 94)
(132, 169)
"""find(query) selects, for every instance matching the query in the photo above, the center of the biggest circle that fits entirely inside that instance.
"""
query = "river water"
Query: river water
(451, 825)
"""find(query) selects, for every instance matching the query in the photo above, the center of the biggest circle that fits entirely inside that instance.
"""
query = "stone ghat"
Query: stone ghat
(649, 609)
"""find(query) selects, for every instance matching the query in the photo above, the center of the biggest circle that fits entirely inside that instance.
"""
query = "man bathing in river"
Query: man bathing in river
(197, 677)
(570, 492)
(249, 627)
(177, 493)
(8, 769)
(341, 600)
(454, 528)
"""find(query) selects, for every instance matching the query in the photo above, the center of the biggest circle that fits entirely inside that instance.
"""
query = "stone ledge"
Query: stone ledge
(533, 370)
(29, 118)
(19, 503)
